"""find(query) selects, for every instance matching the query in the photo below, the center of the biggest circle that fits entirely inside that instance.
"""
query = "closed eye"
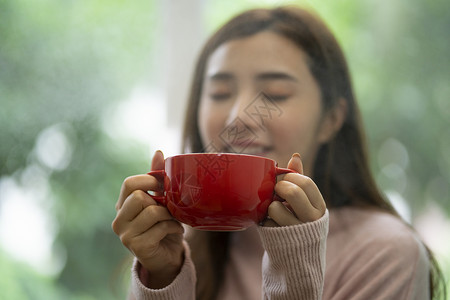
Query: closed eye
(220, 96)
(278, 97)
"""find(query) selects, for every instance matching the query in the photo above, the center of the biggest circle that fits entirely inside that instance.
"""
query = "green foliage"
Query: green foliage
(66, 57)
(22, 283)
(64, 62)
(408, 98)
(89, 189)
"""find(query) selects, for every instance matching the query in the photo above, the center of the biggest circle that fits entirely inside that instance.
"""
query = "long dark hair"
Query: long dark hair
(341, 169)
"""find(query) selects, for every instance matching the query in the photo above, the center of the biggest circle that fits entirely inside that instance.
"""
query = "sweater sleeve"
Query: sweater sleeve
(183, 286)
(294, 260)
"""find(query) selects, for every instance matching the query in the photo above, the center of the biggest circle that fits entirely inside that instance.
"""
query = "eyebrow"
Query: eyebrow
(276, 76)
(221, 76)
(260, 77)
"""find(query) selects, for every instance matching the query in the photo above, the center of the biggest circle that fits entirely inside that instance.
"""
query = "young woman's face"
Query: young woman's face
(260, 98)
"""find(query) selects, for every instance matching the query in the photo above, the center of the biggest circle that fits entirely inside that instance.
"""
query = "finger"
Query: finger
(147, 241)
(158, 161)
(134, 205)
(295, 163)
(148, 217)
(288, 206)
(158, 232)
(158, 164)
(298, 200)
(270, 223)
(310, 188)
(282, 215)
(137, 182)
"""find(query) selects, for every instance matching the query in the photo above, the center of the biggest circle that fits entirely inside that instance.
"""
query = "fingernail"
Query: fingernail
(297, 155)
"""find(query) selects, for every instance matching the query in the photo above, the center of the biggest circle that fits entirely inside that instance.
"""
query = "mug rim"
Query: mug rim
(220, 154)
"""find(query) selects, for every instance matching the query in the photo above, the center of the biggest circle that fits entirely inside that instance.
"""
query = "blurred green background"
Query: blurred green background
(89, 89)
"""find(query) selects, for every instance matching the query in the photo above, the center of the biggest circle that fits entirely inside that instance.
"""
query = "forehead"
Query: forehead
(260, 52)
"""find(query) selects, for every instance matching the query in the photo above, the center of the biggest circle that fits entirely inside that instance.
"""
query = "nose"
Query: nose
(240, 129)
(239, 112)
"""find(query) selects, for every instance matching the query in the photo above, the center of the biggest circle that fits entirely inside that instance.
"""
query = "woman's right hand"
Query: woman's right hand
(147, 229)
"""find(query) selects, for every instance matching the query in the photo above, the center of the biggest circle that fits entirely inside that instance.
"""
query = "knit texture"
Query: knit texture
(369, 255)
(294, 261)
(183, 286)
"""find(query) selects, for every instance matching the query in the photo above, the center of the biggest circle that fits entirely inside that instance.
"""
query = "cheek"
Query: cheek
(202, 121)
(294, 133)
(210, 123)
(285, 133)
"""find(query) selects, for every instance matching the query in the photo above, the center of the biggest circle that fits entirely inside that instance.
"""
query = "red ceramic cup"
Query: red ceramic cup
(218, 191)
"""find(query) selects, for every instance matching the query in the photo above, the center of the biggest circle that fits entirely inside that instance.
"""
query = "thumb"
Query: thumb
(295, 163)
(158, 161)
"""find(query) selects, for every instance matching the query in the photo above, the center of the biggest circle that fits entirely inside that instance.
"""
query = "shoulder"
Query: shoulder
(377, 241)
(372, 228)
(360, 236)
(369, 248)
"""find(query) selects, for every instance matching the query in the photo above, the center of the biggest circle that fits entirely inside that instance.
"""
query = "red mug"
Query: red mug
(218, 191)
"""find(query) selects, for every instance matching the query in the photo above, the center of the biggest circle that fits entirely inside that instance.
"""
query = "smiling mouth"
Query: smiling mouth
(248, 149)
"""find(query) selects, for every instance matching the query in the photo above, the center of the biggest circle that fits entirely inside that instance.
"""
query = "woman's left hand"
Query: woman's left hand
(303, 200)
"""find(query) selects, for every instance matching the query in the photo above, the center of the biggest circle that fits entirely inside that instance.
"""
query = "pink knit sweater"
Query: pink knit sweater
(368, 255)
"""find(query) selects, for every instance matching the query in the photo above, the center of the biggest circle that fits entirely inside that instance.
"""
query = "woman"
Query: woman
(279, 82)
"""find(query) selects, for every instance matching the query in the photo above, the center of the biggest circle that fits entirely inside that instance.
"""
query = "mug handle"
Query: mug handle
(159, 175)
(279, 171)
